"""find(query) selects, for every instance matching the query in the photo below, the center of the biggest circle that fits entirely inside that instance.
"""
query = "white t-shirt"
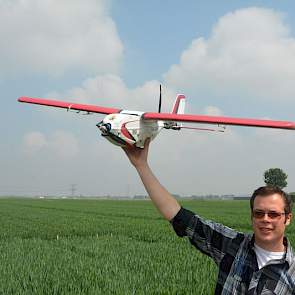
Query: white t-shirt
(263, 256)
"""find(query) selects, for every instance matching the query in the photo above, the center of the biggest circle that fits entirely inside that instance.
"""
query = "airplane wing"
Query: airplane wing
(219, 120)
(69, 105)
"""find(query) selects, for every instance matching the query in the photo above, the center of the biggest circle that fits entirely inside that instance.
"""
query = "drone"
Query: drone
(128, 128)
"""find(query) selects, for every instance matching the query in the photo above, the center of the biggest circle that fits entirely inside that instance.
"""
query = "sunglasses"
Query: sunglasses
(271, 214)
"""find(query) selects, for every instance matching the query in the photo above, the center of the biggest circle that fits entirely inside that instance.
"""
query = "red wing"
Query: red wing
(219, 120)
(69, 105)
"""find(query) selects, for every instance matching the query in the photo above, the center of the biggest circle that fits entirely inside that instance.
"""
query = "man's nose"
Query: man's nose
(266, 218)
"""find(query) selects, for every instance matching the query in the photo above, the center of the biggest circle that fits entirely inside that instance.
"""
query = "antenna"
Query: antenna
(160, 99)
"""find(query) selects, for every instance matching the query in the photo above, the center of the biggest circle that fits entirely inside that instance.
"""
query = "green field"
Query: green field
(105, 247)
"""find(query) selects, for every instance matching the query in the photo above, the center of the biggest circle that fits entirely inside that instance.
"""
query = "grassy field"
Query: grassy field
(105, 247)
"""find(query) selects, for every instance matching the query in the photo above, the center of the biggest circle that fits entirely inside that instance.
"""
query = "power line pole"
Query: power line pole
(73, 189)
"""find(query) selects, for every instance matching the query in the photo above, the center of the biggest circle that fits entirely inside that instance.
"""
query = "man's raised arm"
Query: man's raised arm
(163, 200)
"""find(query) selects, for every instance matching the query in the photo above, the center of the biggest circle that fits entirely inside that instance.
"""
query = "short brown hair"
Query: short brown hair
(265, 191)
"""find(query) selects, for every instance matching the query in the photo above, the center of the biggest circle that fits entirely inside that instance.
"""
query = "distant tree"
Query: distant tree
(276, 177)
(292, 196)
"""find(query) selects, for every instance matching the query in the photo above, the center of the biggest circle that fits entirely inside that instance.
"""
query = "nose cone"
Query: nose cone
(105, 128)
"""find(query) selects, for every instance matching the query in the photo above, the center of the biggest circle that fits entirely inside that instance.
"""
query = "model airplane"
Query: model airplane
(132, 128)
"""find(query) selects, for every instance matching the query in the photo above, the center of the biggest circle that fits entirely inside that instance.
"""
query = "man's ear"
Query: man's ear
(288, 219)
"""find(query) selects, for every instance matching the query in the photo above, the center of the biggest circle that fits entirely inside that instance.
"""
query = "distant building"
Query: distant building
(140, 197)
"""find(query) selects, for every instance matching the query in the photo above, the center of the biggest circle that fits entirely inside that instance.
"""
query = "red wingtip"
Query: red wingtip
(21, 99)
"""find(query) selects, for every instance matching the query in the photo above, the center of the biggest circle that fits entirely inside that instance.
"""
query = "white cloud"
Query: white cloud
(60, 143)
(53, 36)
(64, 144)
(250, 53)
(34, 141)
(212, 111)
(111, 91)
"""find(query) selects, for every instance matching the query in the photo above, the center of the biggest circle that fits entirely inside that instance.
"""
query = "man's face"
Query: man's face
(269, 232)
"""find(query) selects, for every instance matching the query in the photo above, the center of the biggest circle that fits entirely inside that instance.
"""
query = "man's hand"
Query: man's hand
(137, 156)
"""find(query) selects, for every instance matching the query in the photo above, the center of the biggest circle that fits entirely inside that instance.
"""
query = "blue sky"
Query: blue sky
(233, 58)
(156, 33)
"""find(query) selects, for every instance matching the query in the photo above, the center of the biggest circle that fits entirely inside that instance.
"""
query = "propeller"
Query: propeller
(160, 99)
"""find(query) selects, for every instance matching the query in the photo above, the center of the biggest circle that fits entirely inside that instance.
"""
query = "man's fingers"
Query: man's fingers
(129, 149)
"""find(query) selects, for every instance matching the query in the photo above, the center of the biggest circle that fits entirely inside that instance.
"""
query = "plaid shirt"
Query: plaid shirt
(233, 252)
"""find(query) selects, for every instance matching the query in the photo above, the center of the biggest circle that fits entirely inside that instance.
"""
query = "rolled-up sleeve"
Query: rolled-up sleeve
(211, 238)
(181, 221)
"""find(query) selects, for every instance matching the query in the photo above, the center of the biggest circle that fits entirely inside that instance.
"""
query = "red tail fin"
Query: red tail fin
(179, 104)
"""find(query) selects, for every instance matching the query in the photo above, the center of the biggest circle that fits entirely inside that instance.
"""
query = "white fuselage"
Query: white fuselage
(127, 128)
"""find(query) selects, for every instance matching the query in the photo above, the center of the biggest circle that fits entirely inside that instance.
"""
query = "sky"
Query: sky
(231, 58)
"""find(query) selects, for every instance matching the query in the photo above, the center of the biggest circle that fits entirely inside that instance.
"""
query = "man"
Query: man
(258, 263)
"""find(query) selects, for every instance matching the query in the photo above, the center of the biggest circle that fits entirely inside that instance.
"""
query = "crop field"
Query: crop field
(105, 247)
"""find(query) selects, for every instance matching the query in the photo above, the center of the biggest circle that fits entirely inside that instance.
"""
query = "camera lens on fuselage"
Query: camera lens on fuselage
(107, 126)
